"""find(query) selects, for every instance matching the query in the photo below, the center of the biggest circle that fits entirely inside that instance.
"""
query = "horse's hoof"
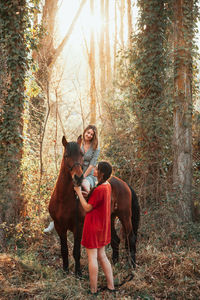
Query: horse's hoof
(115, 260)
(78, 274)
(133, 264)
(66, 270)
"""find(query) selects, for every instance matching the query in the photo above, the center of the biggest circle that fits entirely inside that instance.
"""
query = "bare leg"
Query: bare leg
(106, 266)
(93, 268)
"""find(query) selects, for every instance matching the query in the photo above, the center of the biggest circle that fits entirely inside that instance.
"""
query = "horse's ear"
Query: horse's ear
(64, 141)
(79, 140)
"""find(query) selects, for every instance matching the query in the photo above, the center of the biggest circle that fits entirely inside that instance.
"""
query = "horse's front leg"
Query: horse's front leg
(64, 251)
(115, 240)
(77, 252)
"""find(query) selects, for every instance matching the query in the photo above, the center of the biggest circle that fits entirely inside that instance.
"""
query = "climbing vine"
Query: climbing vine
(16, 42)
(141, 111)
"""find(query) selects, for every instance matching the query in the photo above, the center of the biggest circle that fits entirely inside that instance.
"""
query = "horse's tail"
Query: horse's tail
(135, 211)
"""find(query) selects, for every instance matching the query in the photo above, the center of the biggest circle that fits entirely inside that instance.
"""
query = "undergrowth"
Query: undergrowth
(168, 255)
(168, 264)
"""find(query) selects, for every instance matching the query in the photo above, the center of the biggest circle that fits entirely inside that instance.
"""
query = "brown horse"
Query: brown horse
(68, 214)
(125, 206)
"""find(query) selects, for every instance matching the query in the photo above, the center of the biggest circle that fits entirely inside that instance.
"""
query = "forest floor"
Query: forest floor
(168, 266)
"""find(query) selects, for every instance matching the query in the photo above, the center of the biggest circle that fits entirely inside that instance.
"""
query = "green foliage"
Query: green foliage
(138, 139)
(12, 75)
(142, 105)
(17, 40)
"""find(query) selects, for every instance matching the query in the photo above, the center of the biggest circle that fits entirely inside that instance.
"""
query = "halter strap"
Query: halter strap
(75, 164)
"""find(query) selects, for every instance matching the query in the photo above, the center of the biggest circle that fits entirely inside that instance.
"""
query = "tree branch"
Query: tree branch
(57, 51)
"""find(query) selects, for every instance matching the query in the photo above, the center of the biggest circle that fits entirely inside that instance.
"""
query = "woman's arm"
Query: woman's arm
(86, 206)
(89, 169)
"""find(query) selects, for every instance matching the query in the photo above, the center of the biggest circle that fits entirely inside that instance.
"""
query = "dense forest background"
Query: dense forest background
(130, 68)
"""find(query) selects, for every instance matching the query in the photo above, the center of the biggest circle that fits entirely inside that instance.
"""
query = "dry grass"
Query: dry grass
(168, 266)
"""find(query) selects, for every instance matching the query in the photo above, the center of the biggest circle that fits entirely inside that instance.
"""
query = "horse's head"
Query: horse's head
(73, 159)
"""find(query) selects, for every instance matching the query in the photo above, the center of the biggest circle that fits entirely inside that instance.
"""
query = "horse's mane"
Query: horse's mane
(72, 149)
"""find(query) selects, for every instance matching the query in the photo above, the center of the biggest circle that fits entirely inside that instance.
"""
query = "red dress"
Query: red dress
(96, 229)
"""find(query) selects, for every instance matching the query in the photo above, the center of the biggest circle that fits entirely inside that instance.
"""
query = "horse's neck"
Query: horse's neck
(64, 178)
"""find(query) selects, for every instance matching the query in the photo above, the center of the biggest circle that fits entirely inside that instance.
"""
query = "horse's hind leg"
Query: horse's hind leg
(130, 239)
(115, 240)
(132, 247)
(64, 251)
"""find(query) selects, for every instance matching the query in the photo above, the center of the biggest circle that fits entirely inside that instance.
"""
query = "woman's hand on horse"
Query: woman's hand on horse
(77, 190)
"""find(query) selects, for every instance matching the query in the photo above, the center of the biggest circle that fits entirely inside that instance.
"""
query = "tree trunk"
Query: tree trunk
(46, 49)
(46, 57)
(129, 14)
(92, 72)
(102, 53)
(149, 99)
(122, 7)
(115, 43)
(47, 54)
(11, 124)
(58, 50)
(182, 143)
(108, 58)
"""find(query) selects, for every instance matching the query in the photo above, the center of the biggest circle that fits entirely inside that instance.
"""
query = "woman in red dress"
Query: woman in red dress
(97, 230)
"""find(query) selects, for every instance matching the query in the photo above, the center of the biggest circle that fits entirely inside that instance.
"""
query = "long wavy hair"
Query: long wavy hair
(94, 140)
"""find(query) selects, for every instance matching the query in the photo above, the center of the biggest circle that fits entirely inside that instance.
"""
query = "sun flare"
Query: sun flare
(91, 21)
(86, 21)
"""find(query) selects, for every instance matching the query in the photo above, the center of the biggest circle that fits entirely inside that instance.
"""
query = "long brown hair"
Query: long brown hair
(94, 140)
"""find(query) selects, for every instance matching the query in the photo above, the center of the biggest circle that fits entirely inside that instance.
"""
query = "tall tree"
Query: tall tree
(92, 71)
(46, 56)
(122, 11)
(182, 142)
(129, 14)
(108, 57)
(115, 43)
(13, 16)
(150, 103)
(46, 49)
(142, 90)
(102, 51)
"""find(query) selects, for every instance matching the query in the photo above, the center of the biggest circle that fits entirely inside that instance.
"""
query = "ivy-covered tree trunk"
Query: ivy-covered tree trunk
(12, 26)
(149, 101)
(182, 143)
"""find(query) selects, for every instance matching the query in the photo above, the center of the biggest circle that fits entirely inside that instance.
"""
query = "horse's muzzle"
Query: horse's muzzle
(77, 180)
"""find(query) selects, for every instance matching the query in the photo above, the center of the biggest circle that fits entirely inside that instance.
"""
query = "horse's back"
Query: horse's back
(119, 186)
(121, 194)
(125, 202)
